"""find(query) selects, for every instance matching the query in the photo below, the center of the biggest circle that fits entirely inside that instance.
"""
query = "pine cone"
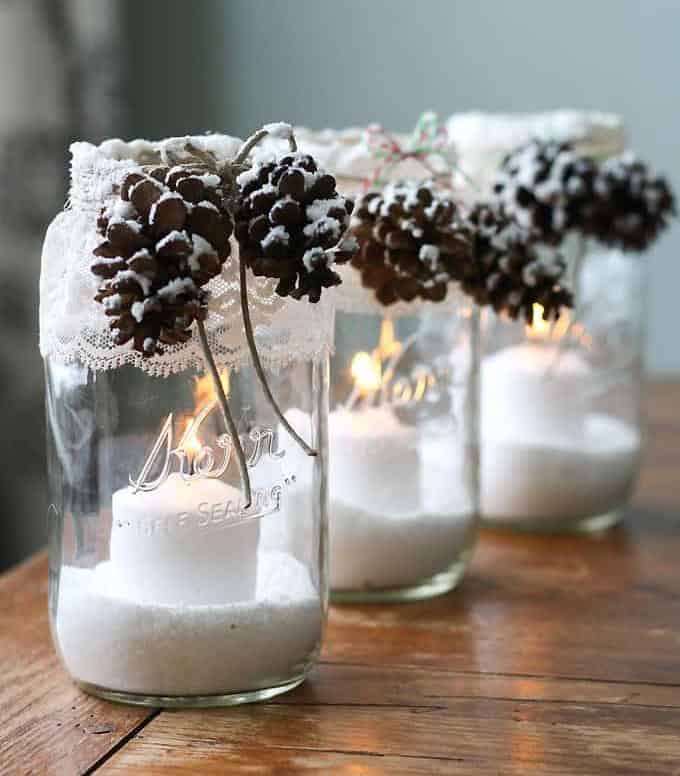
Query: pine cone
(290, 225)
(506, 271)
(548, 188)
(632, 205)
(166, 236)
(410, 244)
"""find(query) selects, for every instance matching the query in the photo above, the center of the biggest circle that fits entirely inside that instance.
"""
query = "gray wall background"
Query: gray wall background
(342, 62)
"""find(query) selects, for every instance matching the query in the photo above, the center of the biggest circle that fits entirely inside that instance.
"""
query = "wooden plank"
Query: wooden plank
(253, 761)
(46, 724)
(335, 684)
(546, 606)
(470, 736)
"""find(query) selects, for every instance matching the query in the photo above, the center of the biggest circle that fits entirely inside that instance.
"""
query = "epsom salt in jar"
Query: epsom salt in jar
(561, 428)
(188, 517)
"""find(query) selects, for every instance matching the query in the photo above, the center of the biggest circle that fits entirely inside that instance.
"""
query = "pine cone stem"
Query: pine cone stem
(231, 426)
(255, 139)
(259, 371)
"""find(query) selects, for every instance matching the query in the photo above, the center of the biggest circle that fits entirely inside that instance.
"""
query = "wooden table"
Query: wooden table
(556, 656)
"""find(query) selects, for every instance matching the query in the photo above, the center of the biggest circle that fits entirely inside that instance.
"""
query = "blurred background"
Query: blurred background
(90, 69)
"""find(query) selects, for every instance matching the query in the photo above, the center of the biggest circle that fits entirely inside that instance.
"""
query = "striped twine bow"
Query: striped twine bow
(428, 140)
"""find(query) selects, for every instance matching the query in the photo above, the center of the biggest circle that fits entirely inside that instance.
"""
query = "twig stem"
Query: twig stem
(231, 426)
(259, 371)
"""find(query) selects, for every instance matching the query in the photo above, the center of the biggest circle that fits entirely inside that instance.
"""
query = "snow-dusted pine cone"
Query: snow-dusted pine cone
(410, 242)
(165, 237)
(290, 224)
(632, 204)
(548, 188)
(506, 271)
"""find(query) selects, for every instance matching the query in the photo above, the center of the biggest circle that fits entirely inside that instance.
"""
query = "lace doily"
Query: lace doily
(73, 326)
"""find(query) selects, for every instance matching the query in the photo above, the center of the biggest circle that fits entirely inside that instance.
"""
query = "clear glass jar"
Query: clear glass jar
(164, 590)
(166, 587)
(403, 453)
(561, 404)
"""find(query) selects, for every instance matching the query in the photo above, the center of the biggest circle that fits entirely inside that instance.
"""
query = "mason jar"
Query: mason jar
(561, 420)
(165, 587)
(560, 409)
(402, 442)
(402, 435)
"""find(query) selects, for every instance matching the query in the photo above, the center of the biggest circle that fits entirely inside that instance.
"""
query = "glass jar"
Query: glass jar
(402, 434)
(166, 589)
(561, 405)
(560, 409)
(403, 452)
(176, 595)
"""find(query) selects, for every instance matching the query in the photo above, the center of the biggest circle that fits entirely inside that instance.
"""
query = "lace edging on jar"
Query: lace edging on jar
(72, 328)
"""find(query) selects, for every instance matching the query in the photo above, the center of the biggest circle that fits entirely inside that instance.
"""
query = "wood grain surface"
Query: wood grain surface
(557, 655)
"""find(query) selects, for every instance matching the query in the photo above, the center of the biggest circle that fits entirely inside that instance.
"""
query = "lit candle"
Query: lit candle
(367, 441)
(193, 600)
(546, 455)
(391, 523)
(185, 538)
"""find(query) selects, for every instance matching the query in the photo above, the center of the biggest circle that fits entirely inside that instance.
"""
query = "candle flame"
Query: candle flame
(388, 344)
(204, 394)
(190, 442)
(204, 390)
(375, 375)
(540, 328)
(554, 331)
(366, 372)
(367, 368)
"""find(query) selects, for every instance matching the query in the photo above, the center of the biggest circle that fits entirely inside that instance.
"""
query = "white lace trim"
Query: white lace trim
(345, 153)
(73, 326)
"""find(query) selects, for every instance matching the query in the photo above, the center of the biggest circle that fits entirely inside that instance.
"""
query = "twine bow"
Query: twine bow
(429, 139)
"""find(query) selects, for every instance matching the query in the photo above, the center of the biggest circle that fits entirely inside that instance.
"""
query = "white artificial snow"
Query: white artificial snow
(142, 280)
(112, 302)
(208, 205)
(137, 310)
(135, 226)
(276, 235)
(168, 195)
(176, 287)
(324, 226)
(429, 253)
(120, 210)
(311, 256)
(209, 179)
(201, 247)
(172, 237)
(320, 207)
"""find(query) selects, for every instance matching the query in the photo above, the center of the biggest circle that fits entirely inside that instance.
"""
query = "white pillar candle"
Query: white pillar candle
(374, 461)
(392, 523)
(183, 542)
(546, 457)
(535, 391)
